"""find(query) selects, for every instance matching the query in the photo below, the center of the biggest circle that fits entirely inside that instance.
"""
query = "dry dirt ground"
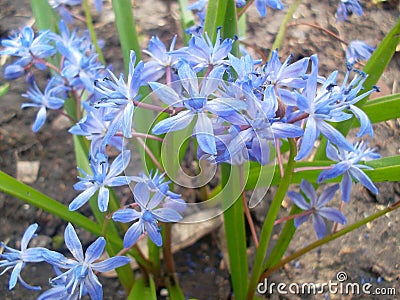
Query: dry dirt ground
(370, 254)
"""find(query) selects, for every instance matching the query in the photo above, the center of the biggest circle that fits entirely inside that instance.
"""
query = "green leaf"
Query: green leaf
(45, 16)
(215, 18)
(143, 289)
(186, 18)
(15, 188)
(4, 89)
(235, 229)
(126, 27)
(382, 109)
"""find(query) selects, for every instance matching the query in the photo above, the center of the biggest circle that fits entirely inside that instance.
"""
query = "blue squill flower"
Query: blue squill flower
(81, 67)
(261, 127)
(94, 126)
(197, 104)
(63, 11)
(348, 165)
(115, 93)
(17, 259)
(157, 182)
(317, 206)
(147, 218)
(52, 98)
(28, 48)
(202, 53)
(347, 8)
(161, 60)
(321, 108)
(104, 176)
(357, 51)
(80, 277)
(261, 6)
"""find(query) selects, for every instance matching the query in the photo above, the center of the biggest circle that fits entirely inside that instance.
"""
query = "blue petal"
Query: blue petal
(361, 177)
(127, 119)
(308, 189)
(133, 234)
(166, 215)
(142, 194)
(298, 199)
(111, 263)
(319, 225)
(154, 233)
(300, 220)
(284, 130)
(125, 215)
(82, 198)
(95, 250)
(40, 119)
(174, 123)
(332, 214)
(345, 186)
(336, 170)
(119, 164)
(29, 233)
(334, 136)
(73, 243)
(309, 137)
(103, 198)
(365, 123)
(93, 286)
(166, 94)
(205, 134)
(327, 195)
(14, 275)
(332, 152)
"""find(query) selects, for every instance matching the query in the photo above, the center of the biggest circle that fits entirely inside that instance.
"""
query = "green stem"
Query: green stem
(89, 23)
(327, 239)
(268, 225)
(282, 29)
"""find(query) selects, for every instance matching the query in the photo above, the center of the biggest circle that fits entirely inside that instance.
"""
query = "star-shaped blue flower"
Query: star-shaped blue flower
(17, 259)
(348, 165)
(317, 207)
(80, 275)
(148, 216)
(104, 176)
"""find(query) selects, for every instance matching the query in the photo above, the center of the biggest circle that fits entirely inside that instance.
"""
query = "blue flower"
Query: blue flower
(29, 49)
(197, 106)
(81, 67)
(156, 68)
(103, 176)
(17, 259)
(358, 50)
(321, 107)
(261, 127)
(348, 165)
(317, 207)
(202, 53)
(286, 74)
(347, 8)
(148, 216)
(95, 126)
(157, 183)
(52, 98)
(60, 7)
(261, 6)
(117, 94)
(80, 275)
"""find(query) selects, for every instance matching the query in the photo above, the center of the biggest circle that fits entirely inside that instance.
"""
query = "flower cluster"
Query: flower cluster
(236, 108)
(79, 279)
